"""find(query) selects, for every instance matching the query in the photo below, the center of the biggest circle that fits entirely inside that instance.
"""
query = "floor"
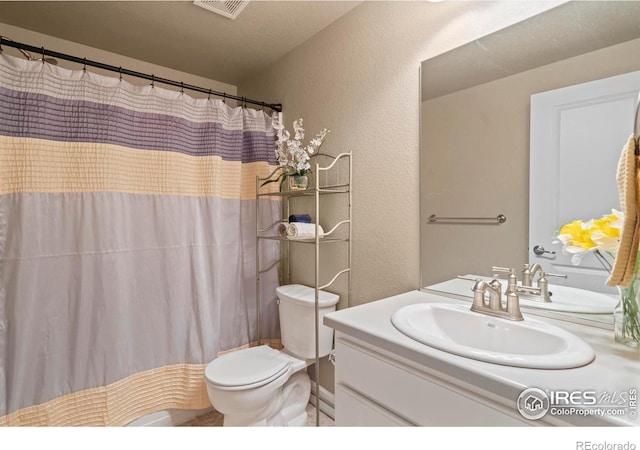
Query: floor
(214, 419)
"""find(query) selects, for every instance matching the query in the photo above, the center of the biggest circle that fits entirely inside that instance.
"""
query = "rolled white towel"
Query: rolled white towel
(300, 230)
(282, 230)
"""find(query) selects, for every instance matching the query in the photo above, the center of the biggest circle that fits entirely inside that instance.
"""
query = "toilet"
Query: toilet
(261, 386)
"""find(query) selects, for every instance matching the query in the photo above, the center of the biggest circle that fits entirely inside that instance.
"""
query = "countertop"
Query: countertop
(615, 369)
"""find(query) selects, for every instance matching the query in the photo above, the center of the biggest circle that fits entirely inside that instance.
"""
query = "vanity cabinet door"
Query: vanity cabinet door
(358, 411)
(405, 393)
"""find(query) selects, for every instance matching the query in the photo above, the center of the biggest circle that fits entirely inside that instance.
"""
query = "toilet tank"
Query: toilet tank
(297, 313)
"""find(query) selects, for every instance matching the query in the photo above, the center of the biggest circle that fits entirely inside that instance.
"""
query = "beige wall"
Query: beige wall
(83, 51)
(359, 77)
(476, 162)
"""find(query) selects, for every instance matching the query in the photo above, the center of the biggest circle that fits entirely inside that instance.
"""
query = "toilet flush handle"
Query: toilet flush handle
(332, 357)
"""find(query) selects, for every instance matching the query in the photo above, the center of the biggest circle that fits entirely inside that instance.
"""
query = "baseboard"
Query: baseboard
(168, 418)
(326, 400)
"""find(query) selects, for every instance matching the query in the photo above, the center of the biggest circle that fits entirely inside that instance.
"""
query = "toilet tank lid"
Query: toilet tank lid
(307, 295)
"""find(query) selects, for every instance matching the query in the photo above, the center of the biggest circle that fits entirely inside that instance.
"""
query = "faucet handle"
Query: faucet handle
(513, 279)
(478, 289)
(476, 281)
(529, 290)
(513, 306)
(557, 275)
(468, 278)
(503, 269)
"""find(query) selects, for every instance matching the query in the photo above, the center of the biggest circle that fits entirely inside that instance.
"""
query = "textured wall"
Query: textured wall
(360, 78)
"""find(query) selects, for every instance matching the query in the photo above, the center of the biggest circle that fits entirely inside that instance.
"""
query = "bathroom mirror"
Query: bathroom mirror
(475, 134)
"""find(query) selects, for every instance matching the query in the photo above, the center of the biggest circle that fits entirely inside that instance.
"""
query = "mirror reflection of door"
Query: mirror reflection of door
(577, 134)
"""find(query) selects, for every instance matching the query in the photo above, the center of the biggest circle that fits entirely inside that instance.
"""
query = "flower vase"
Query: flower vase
(626, 317)
(298, 182)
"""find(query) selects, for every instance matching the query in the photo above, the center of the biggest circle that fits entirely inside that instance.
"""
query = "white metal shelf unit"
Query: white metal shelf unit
(329, 176)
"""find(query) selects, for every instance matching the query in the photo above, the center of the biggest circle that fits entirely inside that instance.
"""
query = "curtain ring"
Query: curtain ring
(120, 72)
(209, 97)
(84, 67)
(153, 80)
(42, 48)
(224, 98)
(181, 87)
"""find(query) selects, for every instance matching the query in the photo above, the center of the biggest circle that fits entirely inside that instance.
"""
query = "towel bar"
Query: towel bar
(501, 218)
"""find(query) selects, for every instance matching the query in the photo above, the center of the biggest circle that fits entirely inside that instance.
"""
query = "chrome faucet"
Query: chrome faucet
(494, 306)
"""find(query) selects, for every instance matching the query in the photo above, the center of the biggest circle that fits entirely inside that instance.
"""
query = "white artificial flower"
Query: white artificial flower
(297, 127)
(292, 156)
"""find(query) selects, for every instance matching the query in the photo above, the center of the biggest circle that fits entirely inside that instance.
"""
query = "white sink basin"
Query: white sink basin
(455, 329)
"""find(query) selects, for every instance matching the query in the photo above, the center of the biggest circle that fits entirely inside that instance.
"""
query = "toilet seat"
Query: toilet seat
(247, 369)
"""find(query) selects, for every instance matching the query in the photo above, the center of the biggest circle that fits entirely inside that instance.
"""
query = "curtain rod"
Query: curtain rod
(87, 62)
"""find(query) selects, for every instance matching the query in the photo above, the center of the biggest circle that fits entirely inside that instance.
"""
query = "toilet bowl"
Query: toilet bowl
(263, 386)
(258, 386)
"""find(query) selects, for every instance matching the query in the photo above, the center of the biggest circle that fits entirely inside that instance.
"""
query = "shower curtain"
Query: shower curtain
(127, 244)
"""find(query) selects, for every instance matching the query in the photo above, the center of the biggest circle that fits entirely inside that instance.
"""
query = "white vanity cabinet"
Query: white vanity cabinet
(374, 388)
(384, 378)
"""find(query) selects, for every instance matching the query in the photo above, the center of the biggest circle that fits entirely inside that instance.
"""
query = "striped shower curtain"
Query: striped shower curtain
(127, 244)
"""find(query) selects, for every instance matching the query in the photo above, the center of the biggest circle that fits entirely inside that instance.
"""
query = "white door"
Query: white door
(577, 134)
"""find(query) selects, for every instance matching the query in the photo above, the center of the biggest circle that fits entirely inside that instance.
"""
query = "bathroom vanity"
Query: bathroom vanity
(384, 378)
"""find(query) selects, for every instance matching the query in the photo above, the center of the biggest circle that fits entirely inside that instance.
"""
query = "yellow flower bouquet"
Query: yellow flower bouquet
(598, 236)
(601, 237)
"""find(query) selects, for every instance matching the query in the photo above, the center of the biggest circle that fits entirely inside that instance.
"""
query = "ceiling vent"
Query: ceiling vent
(230, 9)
